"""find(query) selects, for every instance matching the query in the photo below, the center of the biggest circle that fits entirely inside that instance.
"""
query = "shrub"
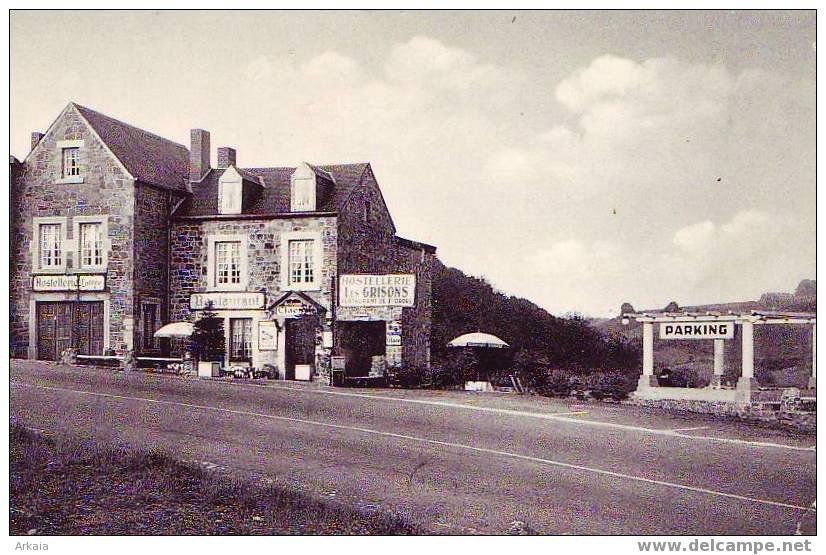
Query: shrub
(208, 336)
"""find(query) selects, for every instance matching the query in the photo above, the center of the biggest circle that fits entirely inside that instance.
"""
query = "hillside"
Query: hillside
(539, 340)
(782, 353)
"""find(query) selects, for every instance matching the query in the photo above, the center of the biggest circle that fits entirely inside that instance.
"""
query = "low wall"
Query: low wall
(693, 401)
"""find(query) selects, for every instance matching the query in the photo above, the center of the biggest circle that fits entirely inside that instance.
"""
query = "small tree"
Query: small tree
(208, 338)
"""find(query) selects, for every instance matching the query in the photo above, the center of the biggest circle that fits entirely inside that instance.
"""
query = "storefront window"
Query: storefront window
(91, 245)
(51, 249)
(240, 341)
(228, 263)
(301, 262)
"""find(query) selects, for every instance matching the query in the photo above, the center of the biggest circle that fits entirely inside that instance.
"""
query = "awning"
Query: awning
(478, 339)
(176, 329)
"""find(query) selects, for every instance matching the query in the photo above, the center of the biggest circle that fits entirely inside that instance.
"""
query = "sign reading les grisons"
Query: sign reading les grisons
(377, 290)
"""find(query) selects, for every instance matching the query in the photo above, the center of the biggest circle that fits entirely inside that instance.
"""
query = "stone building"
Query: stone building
(116, 231)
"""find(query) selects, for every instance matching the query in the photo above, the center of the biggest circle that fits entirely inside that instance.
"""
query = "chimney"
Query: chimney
(36, 137)
(226, 157)
(198, 154)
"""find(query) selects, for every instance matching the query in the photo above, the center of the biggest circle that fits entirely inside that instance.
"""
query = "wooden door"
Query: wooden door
(61, 325)
(299, 343)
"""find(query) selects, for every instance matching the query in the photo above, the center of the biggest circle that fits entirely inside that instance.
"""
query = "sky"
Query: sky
(577, 159)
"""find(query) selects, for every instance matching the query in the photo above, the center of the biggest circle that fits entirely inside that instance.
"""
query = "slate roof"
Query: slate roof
(274, 197)
(148, 157)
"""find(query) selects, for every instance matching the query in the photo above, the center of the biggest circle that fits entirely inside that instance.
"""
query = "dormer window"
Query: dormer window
(303, 195)
(230, 193)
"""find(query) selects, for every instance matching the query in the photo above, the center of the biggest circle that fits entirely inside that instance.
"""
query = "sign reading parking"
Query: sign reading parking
(697, 330)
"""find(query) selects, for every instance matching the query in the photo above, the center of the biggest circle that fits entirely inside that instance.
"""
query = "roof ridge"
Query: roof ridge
(121, 122)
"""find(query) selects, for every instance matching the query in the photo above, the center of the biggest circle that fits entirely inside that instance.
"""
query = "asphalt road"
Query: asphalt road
(454, 462)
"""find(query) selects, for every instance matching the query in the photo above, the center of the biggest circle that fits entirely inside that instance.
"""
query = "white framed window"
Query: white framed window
(91, 244)
(69, 156)
(240, 339)
(227, 262)
(301, 260)
(51, 246)
(71, 162)
(302, 195)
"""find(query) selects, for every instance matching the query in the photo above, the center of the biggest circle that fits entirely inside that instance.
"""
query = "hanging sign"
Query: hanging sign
(377, 290)
(697, 330)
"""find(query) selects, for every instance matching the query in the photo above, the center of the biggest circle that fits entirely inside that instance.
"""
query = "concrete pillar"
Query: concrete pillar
(813, 377)
(647, 379)
(719, 363)
(746, 384)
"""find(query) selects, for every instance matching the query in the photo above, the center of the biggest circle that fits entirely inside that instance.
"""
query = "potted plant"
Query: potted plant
(208, 342)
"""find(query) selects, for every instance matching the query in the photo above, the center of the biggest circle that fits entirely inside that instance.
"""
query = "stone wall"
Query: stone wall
(106, 189)
(188, 268)
(371, 248)
(152, 206)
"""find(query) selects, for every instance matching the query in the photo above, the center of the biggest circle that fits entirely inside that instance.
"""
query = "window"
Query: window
(71, 162)
(301, 262)
(303, 195)
(228, 263)
(51, 246)
(240, 339)
(91, 245)
(230, 197)
(149, 324)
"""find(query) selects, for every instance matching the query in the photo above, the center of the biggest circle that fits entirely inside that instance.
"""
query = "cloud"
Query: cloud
(731, 258)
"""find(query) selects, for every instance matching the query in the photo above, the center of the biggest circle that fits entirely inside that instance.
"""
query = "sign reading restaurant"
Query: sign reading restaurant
(69, 282)
(377, 290)
(227, 301)
(697, 330)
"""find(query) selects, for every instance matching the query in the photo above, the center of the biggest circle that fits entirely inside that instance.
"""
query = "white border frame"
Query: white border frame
(66, 245)
(220, 238)
(102, 219)
(318, 259)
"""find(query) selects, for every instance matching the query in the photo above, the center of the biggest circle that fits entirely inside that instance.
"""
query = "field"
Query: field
(70, 487)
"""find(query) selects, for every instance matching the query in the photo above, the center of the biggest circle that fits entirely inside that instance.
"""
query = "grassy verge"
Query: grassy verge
(68, 487)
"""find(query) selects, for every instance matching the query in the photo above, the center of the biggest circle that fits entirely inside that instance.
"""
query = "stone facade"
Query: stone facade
(107, 190)
(264, 266)
(162, 215)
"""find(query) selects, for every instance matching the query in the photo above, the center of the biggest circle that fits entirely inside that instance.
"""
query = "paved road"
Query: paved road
(454, 462)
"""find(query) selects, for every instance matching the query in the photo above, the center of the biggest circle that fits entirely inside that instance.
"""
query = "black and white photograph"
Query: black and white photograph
(412, 272)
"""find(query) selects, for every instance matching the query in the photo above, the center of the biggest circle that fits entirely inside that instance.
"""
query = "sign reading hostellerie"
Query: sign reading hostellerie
(71, 282)
(377, 290)
(697, 330)
(227, 301)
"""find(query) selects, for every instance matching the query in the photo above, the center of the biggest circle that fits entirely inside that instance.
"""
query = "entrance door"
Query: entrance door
(61, 325)
(360, 342)
(300, 344)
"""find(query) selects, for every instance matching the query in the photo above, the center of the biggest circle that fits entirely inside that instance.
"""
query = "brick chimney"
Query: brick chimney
(226, 157)
(36, 138)
(198, 154)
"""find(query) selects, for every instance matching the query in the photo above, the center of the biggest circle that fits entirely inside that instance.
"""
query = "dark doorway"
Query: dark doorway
(300, 343)
(360, 342)
(61, 325)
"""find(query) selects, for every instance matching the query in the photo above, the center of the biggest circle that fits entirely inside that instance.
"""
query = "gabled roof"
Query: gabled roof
(274, 197)
(148, 157)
